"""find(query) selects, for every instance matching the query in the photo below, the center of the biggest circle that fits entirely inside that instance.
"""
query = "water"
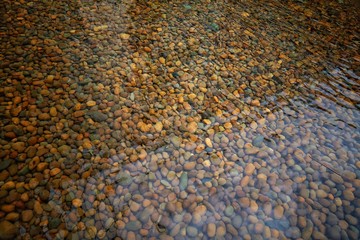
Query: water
(179, 120)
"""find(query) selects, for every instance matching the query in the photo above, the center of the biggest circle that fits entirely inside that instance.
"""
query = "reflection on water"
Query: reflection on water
(179, 120)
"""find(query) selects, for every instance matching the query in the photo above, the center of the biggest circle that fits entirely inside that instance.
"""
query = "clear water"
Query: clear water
(179, 120)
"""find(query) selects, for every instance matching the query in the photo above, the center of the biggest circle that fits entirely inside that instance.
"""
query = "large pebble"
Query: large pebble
(8, 230)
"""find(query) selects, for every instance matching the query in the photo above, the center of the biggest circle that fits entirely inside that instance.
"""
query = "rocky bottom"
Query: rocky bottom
(179, 120)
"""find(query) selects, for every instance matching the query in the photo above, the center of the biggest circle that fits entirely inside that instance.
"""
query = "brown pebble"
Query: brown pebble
(26, 215)
(278, 212)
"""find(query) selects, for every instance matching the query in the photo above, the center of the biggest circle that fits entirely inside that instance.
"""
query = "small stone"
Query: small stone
(176, 141)
(192, 127)
(321, 193)
(55, 171)
(293, 233)
(77, 202)
(211, 229)
(8, 230)
(229, 211)
(124, 36)
(258, 140)
(208, 142)
(109, 222)
(220, 231)
(249, 169)
(97, 116)
(158, 126)
(19, 147)
(200, 210)
(191, 231)
(44, 116)
(53, 111)
(133, 225)
(189, 166)
(348, 195)
(183, 181)
(90, 103)
(27, 215)
(278, 212)
(64, 150)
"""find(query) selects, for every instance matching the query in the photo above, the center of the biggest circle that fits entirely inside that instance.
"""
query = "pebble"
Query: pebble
(211, 230)
(8, 230)
(278, 212)
(249, 169)
(26, 215)
(77, 202)
(191, 231)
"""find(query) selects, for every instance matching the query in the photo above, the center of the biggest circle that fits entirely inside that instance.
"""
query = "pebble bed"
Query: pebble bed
(124, 119)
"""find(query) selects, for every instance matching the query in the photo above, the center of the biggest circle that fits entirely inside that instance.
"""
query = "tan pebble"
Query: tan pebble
(192, 96)
(208, 142)
(253, 125)
(162, 60)
(77, 202)
(211, 229)
(189, 165)
(207, 121)
(206, 163)
(244, 202)
(90, 103)
(244, 181)
(348, 195)
(142, 154)
(249, 169)
(227, 125)
(134, 207)
(201, 210)
(220, 231)
(158, 126)
(255, 102)
(124, 36)
(251, 150)
(262, 177)
(147, 49)
(55, 171)
(321, 193)
(271, 117)
(146, 203)
(53, 111)
(278, 212)
(192, 127)
(253, 206)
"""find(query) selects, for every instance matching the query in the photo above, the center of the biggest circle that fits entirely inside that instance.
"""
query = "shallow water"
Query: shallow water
(179, 120)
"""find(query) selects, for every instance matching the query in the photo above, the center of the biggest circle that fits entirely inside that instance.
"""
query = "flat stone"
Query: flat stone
(64, 150)
(183, 181)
